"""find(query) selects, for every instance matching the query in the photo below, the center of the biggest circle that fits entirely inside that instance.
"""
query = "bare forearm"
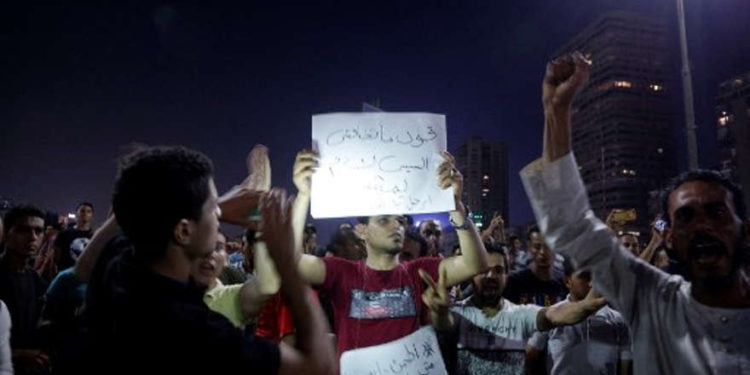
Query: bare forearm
(252, 299)
(556, 133)
(311, 326)
(90, 255)
(473, 253)
(299, 218)
(564, 313)
(648, 253)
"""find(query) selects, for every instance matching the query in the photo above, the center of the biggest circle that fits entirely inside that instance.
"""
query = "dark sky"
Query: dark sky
(79, 82)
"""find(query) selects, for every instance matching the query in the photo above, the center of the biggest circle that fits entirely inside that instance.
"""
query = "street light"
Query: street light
(687, 91)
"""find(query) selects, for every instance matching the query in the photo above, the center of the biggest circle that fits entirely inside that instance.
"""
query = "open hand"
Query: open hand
(258, 169)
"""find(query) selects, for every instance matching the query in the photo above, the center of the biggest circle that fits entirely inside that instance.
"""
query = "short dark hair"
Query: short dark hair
(709, 176)
(87, 204)
(532, 229)
(494, 248)
(363, 219)
(568, 267)
(513, 238)
(21, 211)
(155, 188)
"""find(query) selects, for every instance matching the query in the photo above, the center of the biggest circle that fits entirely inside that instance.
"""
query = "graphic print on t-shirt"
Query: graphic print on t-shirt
(384, 304)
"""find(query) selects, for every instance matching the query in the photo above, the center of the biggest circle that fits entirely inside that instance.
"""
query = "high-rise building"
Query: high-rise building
(733, 122)
(622, 119)
(484, 165)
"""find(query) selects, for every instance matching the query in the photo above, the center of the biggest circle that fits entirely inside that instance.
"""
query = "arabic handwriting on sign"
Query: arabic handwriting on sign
(389, 164)
(340, 136)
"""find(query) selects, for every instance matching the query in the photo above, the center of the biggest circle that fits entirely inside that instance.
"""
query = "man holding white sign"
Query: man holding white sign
(376, 300)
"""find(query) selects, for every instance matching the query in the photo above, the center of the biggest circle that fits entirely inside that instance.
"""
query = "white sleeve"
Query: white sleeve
(6, 364)
(560, 203)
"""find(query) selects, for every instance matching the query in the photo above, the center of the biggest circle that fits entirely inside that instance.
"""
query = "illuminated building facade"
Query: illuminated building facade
(622, 119)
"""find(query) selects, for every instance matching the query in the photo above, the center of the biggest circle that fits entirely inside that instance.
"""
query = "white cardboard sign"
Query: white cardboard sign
(378, 163)
(416, 354)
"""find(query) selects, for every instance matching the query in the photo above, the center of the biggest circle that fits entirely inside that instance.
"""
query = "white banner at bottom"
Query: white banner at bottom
(416, 354)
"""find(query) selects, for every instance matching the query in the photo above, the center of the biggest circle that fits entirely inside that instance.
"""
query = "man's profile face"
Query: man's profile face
(207, 228)
(431, 231)
(539, 251)
(385, 233)
(25, 237)
(490, 283)
(84, 214)
(705, 232)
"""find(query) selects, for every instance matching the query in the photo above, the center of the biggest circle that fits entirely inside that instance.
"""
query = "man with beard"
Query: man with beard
(376, 300)
(679, 327)
(486, 333)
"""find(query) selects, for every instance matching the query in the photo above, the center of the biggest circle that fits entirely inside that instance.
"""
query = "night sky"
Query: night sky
(79, 82)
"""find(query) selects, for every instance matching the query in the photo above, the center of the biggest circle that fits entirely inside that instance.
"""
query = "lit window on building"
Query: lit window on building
(485, 177)
(485, 190)
(628, 172)
(655, 87)
(660, 150)
(723, 120)
(626, 84)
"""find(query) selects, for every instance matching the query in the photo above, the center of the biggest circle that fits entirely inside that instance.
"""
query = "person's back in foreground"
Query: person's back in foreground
(150, 316)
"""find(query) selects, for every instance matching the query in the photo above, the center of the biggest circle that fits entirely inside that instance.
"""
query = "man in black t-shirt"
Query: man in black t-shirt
(147, 313)
(21, 288)
(70, 242)
(541, 284)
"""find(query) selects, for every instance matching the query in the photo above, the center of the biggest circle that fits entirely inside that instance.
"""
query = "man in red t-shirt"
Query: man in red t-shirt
(378, 299)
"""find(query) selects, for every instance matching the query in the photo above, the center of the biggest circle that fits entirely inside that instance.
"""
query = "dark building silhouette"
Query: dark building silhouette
(484, 165)
(733, 127)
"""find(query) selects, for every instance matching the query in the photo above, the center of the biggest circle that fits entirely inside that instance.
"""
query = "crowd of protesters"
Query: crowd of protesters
(159, 288)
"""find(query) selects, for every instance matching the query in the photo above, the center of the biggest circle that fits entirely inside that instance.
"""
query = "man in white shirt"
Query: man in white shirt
(678, 327)
(486, 334)
(598, 345)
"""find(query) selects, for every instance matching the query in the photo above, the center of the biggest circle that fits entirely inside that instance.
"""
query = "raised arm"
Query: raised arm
(256, 291)
(311, 355)
(312, 268)
(473, 257)
(87, 261)
(566, 312)
(560, 203)
(495, 232)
